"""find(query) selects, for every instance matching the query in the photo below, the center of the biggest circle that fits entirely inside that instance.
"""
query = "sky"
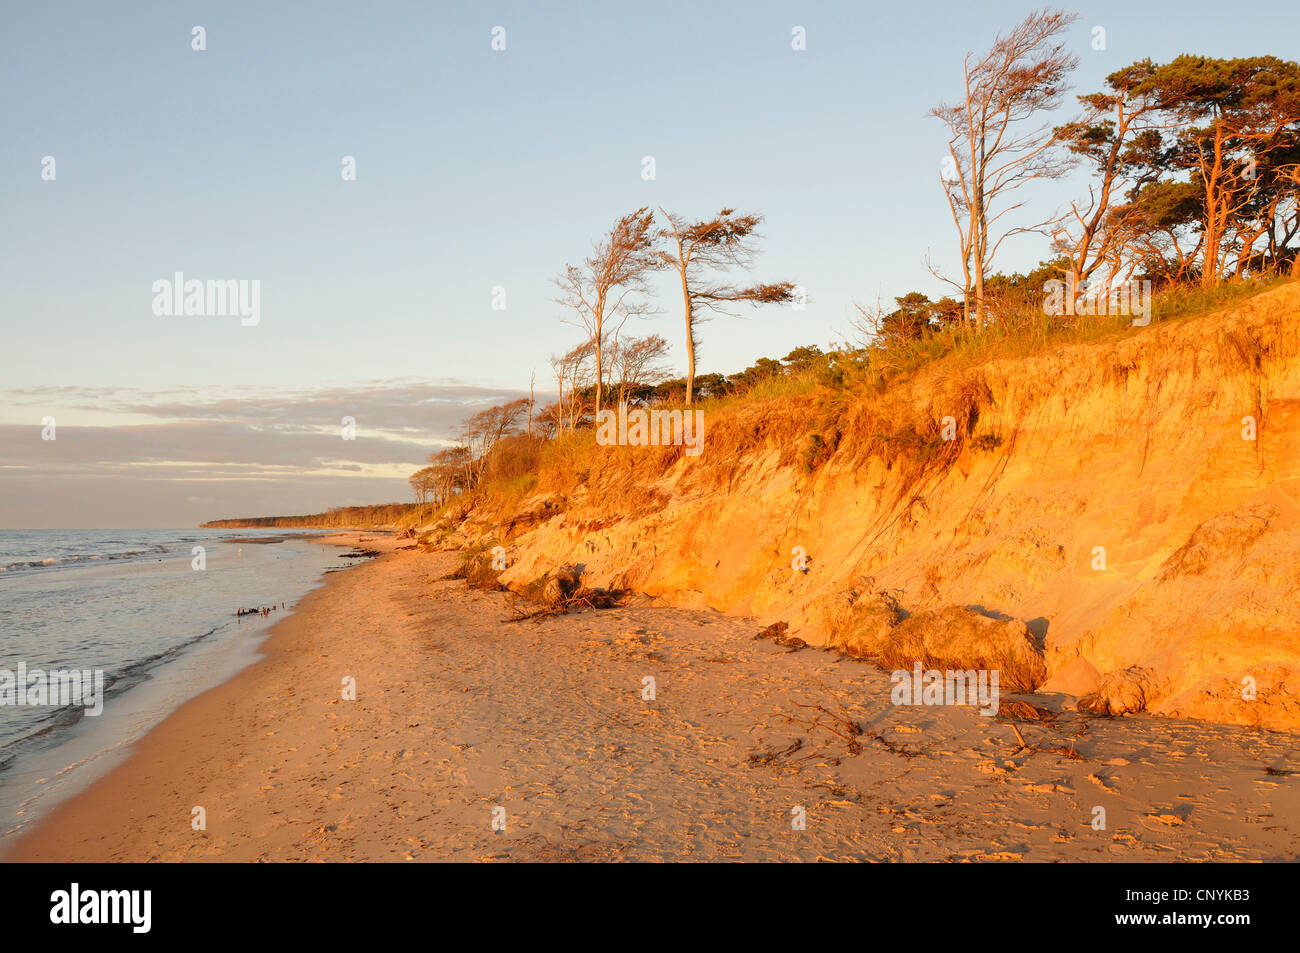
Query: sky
(475, 169)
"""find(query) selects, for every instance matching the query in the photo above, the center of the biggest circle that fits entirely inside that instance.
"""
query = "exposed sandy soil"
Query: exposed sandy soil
(459, 712)
(1133, 501)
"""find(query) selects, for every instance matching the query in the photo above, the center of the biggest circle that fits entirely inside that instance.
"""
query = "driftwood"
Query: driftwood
(584, 598)
(847, 730)
(769, 757)
(776, 632)
(1070, 752)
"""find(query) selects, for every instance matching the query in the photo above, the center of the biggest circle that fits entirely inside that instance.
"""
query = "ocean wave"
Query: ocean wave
(120, 679)
(68, 559)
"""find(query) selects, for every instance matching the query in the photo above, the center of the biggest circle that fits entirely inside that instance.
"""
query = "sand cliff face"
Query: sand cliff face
(1126, 512)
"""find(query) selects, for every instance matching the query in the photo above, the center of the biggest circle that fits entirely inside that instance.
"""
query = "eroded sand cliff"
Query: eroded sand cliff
(1124, 511)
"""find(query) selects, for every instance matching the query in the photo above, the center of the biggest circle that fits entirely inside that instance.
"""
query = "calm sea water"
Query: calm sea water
(129, 603)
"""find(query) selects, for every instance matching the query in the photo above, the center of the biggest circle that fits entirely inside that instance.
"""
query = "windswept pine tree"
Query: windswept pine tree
(698, 252)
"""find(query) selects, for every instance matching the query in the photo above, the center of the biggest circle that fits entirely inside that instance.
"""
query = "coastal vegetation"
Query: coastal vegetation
(1192, 203)
(1194, 195)
(339, 517)
(952, 476)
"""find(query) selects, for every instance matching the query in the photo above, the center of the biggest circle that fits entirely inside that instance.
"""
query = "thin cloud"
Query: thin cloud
(261, 448)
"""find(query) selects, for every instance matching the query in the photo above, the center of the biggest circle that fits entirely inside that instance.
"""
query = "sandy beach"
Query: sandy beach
(476, 738)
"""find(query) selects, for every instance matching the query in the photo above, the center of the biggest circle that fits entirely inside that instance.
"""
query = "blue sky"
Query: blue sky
(475, 169)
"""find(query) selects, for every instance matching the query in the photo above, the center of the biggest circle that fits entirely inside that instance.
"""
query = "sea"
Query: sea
(151, 615)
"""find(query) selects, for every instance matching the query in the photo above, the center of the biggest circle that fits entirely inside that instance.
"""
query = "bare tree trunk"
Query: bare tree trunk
(559, 402)
(1021, 78)
(725, 241)
(980, 228)
(599, 290)
(600, 362)
(532, 381)
(690, 341)
(1214, 213)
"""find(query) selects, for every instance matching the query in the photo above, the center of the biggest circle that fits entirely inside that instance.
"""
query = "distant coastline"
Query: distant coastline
(378, 516)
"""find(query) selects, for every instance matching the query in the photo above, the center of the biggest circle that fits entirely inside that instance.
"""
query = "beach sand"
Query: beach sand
(475, 738)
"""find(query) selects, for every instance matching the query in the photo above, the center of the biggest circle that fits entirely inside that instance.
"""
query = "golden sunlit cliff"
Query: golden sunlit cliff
(1119, 520)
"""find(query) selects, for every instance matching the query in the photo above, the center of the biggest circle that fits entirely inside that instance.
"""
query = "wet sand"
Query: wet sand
(476, 738)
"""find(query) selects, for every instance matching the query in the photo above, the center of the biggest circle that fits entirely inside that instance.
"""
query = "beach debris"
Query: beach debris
(561, 585)
(1164, 817)
(841, 725)
(1071, 752)
(768, 757)
(597, 598)
(561, 591)
(1120, 692)
(776, 632)
(1016, 709)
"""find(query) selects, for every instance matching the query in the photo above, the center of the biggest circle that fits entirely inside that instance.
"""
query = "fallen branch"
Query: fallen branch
(848, 731)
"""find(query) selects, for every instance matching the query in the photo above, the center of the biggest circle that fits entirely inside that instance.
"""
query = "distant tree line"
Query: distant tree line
(338, 517)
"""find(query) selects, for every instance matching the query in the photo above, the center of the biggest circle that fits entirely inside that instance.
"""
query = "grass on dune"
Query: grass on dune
(850, 397)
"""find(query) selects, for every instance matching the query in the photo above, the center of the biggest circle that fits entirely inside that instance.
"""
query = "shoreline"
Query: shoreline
(11, 851)
(465, 717)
